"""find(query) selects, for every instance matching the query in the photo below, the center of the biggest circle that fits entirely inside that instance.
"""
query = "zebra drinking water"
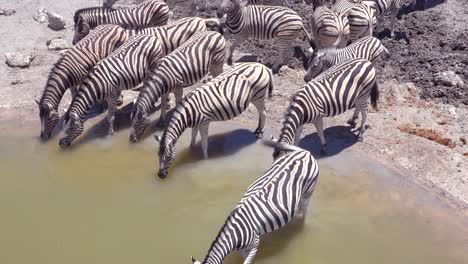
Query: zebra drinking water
(185, 66)
(262, 22)
(271, 202)
(368, 48)
(224, 98)
(340, 88)
(123, 69)
(72, 67)
(150, 13)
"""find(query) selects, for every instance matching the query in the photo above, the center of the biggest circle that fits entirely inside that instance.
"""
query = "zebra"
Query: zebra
(384, 6)
(72, 67)
(185, 66)
(368, 48)
(176, 33)
(361, 18)
(223, 98)
(342, 87)
(262, 22)
(123, 69)
(271, 202)
(150, 13)
(330, 28)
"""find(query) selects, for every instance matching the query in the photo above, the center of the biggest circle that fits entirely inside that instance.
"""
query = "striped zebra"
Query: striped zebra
(330, 28)
(176, 33)
(383, 7)
(368, 48)
(262, 22)
(123, 69)
(72, 67)
(361, 18)
(204, 52)
(342, 87)
(271, 202)
(223, 98)
(150, 13)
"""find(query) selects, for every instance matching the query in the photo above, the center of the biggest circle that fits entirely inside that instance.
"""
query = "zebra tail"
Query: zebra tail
(375, 94)
(214, 22)
(309, 37)
(270, 85)
(280, 145)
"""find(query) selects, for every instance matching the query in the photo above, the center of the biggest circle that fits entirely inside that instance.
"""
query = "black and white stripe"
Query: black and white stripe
(123, 69)
(176, 33)
(361, 18)
(150, 13)
(72, 67)
(383, 7)
(262, 22)
(204, 52)
(270, 203)
(330, 28)
(368, 48)
(223, 98)
(340, 88)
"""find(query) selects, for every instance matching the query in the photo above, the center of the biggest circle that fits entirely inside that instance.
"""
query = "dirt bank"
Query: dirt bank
(406, 77)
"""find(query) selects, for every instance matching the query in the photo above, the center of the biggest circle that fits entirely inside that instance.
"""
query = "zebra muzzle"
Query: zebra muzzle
(162, 174)
(64, 143)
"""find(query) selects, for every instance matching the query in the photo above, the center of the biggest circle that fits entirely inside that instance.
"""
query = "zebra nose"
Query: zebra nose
(45, 136)
(133, 139)
(162, 174)
(64, 143)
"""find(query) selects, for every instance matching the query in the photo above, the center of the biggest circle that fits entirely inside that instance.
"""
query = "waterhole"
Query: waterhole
(100, 202)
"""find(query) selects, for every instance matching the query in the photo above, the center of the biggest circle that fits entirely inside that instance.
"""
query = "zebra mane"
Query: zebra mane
(79, 11)
(53, 71)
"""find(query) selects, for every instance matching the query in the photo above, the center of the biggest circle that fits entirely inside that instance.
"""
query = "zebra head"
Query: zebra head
(49, 119)
(81, 30)
(229, 5)
(315, 66)
(140, 121)
(166, 155)
(73, 128)
(194, 261)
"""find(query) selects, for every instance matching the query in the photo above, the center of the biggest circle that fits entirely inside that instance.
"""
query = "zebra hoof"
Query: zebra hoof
(360, 138)
(351, 123)
(324, 150)
(229, 61)
(259, 133)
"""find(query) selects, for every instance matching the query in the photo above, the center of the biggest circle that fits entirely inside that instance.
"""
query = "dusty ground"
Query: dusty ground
(429, 41)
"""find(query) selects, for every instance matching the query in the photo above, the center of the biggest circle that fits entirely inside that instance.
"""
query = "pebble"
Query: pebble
(56, 21)
(16, 59)
(41, 15)
(57, 43)
(7, 11)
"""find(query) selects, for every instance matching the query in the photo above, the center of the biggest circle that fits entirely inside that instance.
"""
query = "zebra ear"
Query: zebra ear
(194, 261)
(157, 138)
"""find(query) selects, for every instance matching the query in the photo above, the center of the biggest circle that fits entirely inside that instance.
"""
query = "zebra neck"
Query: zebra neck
(80, 106)
(293, 119)
(54, 91)
(225, 243)
(154, 87)
(236, 18)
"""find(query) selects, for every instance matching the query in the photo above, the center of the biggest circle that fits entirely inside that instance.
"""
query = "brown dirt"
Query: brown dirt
(427, 133)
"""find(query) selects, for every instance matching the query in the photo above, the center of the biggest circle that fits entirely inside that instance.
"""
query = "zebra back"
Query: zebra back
(73, 66)
(123, 69)
(330, 28)
(292, 176)
(362, 18)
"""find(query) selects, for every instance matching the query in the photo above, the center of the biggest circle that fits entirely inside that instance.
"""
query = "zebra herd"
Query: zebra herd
(136, 48)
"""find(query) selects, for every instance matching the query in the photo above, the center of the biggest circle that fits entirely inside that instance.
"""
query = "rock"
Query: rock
(57, 43)
(16, 59)
(7, 11)
(399, 93)
(448, 78)
(41, 15)
(286, 71)
(56, 21)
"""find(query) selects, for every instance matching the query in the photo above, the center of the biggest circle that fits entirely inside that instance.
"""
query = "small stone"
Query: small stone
(41, 15)
(7, 11)
(56, 21)
(448, 78)
(57, 43)
(16, 59)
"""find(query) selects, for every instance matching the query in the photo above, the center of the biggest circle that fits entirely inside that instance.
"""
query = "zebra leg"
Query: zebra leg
(261, 119)
(297, 136)
(250, 251)
(111, 109)
(178, 93)
(392, 23)
(319, 127)
(164, 104)
(363, 124)
(236, 42)
(352, 120)
(204, 139)
(194, 137)
(286, 53)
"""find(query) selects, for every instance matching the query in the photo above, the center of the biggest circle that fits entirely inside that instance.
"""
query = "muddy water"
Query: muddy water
(100, 203)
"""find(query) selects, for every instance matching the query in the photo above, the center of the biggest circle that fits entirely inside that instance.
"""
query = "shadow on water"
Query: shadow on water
(338, 139)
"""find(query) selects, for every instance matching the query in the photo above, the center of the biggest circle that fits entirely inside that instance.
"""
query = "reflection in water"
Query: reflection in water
(101, 203)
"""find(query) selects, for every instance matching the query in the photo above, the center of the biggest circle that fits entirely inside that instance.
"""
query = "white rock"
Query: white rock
(16, 59)
(57, 43)
(7, 11)
(41, 15)
(448, 78)
(56, 21)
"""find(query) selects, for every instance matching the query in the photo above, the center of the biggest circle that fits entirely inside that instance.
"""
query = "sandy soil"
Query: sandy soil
(429, 41)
